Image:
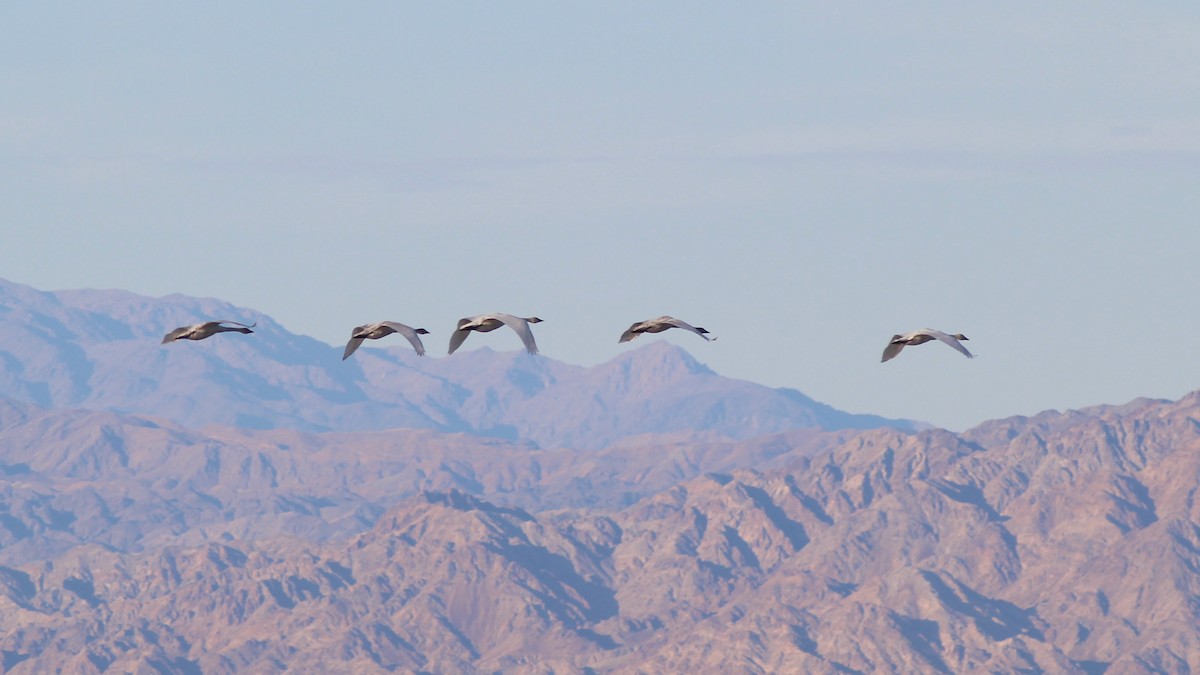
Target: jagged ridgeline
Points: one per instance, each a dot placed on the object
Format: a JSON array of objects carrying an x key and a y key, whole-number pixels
[{"x": 1060, "y": 543}]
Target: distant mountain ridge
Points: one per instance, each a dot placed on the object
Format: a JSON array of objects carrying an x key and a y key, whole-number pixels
[{"x": 99, "y": 349}]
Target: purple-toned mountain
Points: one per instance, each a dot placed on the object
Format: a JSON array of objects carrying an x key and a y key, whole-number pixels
[
  {"x": 1064, "y": 543},
  {"x": 78, "y": 478},
  {"x": 100, "y": 350}
]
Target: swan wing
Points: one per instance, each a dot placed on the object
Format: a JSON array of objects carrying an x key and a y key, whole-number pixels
[
  {"x": 684, "y": 325},
  {"x": 243, "y": 325},
  {"x": 892, "y": 349},
  {"x": 459, "y": 334},
  {"x": 176, "y": 334},
  {"x": 521, "y": 326},
  {"x": 948, "y": 339},
  {"x": 408, "y": 332},
  {"x": 351, "y": 347},
  {"x": 632, "y": 332}
]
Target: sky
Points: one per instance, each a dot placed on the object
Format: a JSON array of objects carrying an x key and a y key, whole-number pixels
[{"x": 802, "y": 179}]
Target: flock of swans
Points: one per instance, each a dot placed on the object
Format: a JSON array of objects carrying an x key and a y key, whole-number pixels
[{"x": 485, "y": 323}]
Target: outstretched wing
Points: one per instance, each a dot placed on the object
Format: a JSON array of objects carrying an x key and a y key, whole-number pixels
[
  {"x": 521, "y": 326},
  {"x": 351, "y": 347},
  {"x": 686, "y": 326},
  {"x": 950, "y": 340},
  {"x": 175, "y": 334},
  {"x": 459, "y": 334},
  {"x": 892, "y": 349},
  {"x": 631, "y": 333},
  {"x": 408, "y": 332}
]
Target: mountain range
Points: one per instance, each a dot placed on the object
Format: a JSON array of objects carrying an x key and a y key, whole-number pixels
[
  {"x": 1066, "y": 542},
  {"x": 137, "y": 535},
  {"x": 101, "y": 350}
]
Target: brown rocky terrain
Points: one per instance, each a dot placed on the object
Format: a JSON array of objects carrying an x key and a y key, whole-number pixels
[{"x": 1065, "y": 542}]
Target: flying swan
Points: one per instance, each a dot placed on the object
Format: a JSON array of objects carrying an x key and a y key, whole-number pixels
[
  {"x": 207, "y": 329},
  {"x": 659, "y": 325},
  {"x": 485, "y": 323},
  {"x": 920, "y": 337},
  {"x": 374, "y": 331}
]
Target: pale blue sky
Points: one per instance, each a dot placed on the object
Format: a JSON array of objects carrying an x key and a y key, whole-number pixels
[{"x": 803, "y": 179}]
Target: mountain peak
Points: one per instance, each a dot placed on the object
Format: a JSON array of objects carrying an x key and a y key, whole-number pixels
[
  {"x": 100, "y": 350},
  {"x": 662, "y": 358}
]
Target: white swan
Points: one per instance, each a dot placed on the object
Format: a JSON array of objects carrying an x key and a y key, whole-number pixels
[
  {"x": 659, "y": 325},
  {"x": 485, "y": 323},
  {"x": 207, "y": 329},
  {"x": 920, "y": 337},
  {"x": 374, "y": 331}
]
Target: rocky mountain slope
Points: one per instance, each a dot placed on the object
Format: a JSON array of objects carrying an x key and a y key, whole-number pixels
[
  {"x": 100, "y": 350},
  {"x": 1066, "y": 542}
]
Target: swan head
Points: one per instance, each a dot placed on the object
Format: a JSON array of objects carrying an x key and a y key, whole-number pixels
[
  {"x": 421, "y": 331},
  {"x": 960, "y": 336},
  {"x": 533, "y": 319}
]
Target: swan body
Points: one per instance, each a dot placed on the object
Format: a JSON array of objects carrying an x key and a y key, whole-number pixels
[
  {"x": 659, "y": 325},
  {"x": 207, "y": 329},
  {"x": 485, "y": 323},
  {"x": 374, "y": 331},
  {"x": 920, "y": 337}
]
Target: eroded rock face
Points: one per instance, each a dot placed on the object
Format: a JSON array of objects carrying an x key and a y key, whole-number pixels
[{"x": 1059, "y": 543}]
